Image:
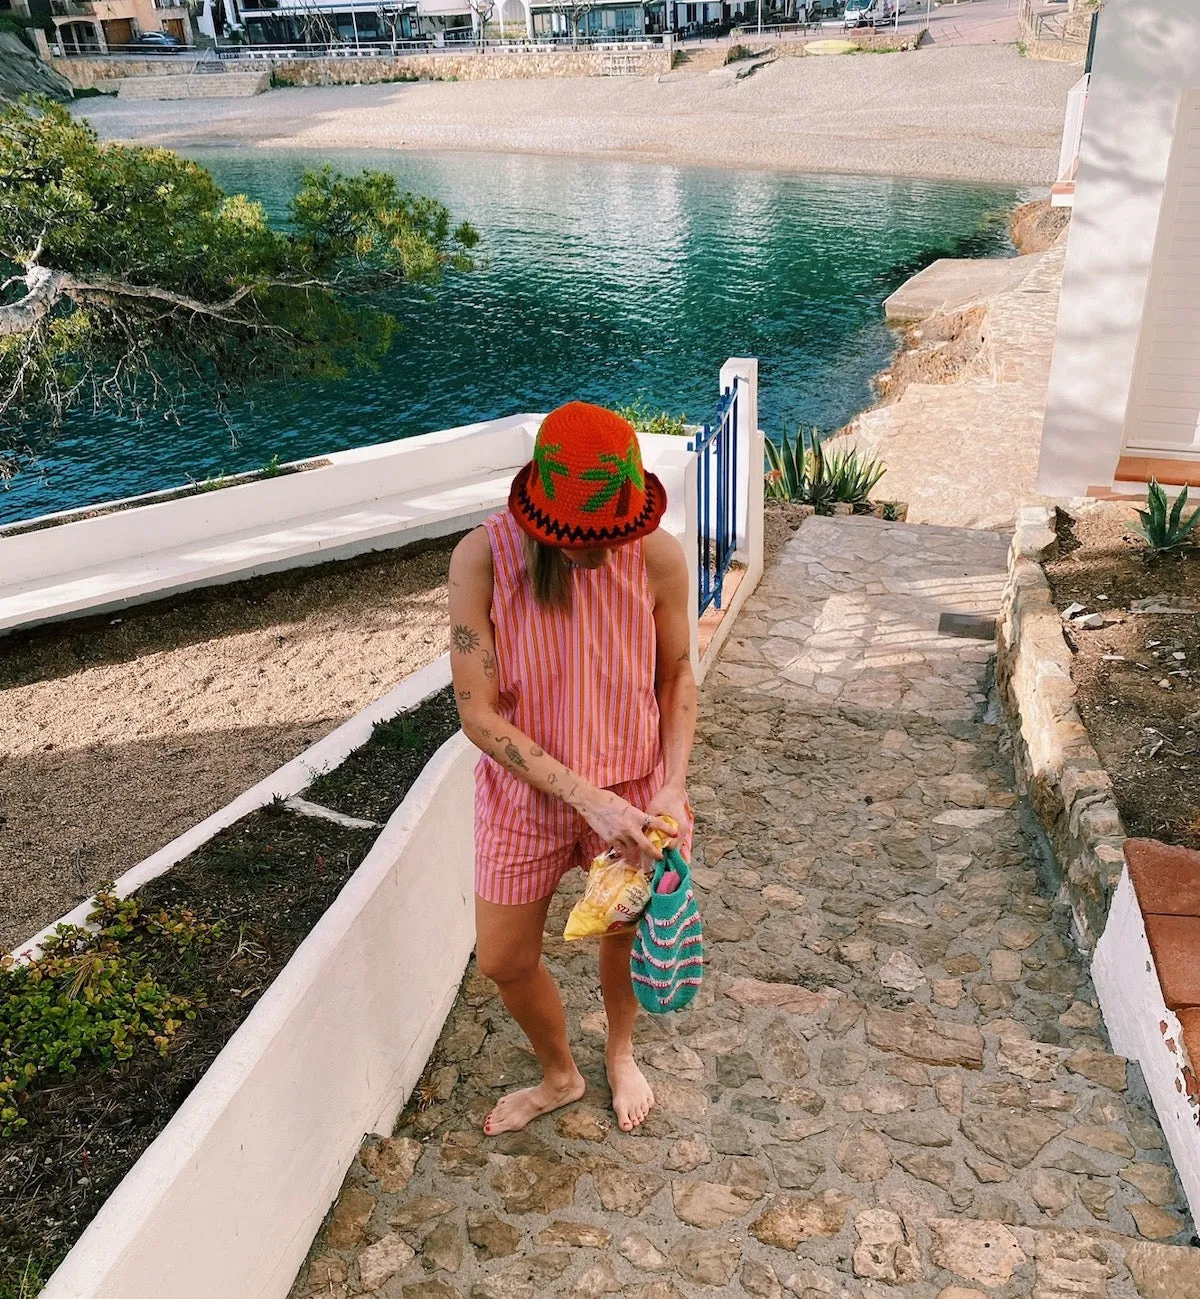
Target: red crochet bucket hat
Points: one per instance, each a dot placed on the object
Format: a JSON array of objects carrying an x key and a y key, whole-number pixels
[{"x": 585, "y": 487}]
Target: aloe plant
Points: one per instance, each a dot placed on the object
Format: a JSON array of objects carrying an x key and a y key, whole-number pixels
[
  {"x": 800, "y": 469},
  {"x": 852, "y": 475},
  {"x": 1164, "y": 529}
]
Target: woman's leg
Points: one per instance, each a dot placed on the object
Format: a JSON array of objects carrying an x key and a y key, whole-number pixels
[
  {"x": 509, "y": 951},
  {"x": 632, "y": 1097}
]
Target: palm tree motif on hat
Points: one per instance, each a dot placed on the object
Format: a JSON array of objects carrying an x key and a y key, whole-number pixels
[
  {"x": 619, "y": 474},
  {"x": 548, "y": 466}
]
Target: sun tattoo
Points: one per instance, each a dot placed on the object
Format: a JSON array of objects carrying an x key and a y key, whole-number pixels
[{"x": 463, "y": 639}]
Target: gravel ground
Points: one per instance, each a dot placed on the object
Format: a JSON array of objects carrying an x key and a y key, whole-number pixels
[
  {"x": 968, "y": 112},
  {"x": 119, "y": 736}
]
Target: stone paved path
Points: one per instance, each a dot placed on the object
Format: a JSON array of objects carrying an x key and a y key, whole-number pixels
[{"x": 895, "y": 1082}]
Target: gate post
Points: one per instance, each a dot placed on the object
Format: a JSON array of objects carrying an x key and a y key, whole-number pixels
[{"x": 749, "y": 463}]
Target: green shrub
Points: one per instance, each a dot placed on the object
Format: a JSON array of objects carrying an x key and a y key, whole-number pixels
[
  {"x": 272, "y": 469},
  {"x": 646, "y": 420},
  {"x": 1164, "y": 530},
  {"x": 94, "y": 996}
]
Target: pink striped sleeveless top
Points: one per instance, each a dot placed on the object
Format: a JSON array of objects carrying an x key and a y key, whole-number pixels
[{"x": 580, "y": 683}]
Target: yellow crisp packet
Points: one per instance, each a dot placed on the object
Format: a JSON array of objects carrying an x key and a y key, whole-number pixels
[{"x": 616, "y": 894}]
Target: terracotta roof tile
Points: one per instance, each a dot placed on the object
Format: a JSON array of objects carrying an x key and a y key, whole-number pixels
[
  {"x": 1190, "y": 1020},
  {"x": 1175, "y": 943},
  {"x": 1166, "y": 879}
]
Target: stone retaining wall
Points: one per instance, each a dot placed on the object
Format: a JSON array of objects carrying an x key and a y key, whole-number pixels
[
  {"x": 88, "y": 74},
  {"x": 227, "y": 85},
  {"x": 877, "y": 41},
  {"x": 469, "y": 67},
  {"x": 491, "y": 65},
  {"x": 1056, "y": 764}
]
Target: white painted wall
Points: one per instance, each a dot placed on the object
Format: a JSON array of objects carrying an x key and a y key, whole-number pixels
[
  {"x": 1143, "y": 1029},
  {"x": 228, "y": 1198},
  {"x": 1146, "y": 55}
]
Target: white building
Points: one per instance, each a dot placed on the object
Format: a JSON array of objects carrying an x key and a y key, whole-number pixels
[
  {"x": 288, "y": 22},
  {"x": 1124, "y": 398}
]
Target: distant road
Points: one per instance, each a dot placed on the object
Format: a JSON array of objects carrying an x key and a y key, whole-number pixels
[{"x": 954, "y": 111}]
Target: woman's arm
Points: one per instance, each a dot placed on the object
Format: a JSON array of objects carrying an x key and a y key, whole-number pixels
[
  {"x": 674, "y": 681},
  {"x": 477, "y": 690}
]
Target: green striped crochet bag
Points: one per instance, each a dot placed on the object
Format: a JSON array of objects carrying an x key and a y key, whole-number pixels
[{"x": 668, "y": 949}]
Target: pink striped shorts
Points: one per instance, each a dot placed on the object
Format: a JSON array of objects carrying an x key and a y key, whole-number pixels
[{"x": 526, "y": 841}]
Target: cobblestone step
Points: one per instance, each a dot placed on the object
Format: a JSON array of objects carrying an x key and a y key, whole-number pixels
[{"x": 895, "y": 1081}]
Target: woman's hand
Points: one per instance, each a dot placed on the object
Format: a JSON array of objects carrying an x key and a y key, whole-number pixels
[
  {"x": 672, "y": 801},
  {"x": 619, "y": 823}
]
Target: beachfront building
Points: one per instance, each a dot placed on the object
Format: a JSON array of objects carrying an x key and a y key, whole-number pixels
[
  {"x": 351, "y": 22},
  {"x": 441, "y": 22},
  {"x": 99, "y": 26},
  {"x": 1124, "y": 398}
]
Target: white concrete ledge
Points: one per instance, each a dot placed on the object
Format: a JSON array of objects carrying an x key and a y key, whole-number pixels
[
  {"x": 371, "y": 498},
  {"x": 227, "y": 1199}
]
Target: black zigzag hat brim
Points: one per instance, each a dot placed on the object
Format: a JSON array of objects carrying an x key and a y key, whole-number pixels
[{"x": 543, "y": 527}]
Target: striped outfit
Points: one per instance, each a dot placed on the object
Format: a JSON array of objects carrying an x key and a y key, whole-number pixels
[{"x": 580, "y": 684}]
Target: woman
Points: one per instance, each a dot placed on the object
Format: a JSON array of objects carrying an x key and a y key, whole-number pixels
[{"x": 571, "y": 654}]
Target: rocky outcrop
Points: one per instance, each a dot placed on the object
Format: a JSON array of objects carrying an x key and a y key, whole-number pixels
[
  {"x": 1034, "y": 227},
  {"x": 22, "y": 72}
]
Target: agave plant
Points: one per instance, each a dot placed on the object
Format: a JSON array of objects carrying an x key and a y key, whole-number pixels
[
  {"x": 1165, "y": 529},
  {"x": 787, "y": 467},
  {"x": 800, "y": 470},
  {"x": 852, "y": 476}
]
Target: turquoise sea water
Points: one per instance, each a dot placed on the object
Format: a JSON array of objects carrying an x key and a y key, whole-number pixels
[{"x": 606, "y": 281}]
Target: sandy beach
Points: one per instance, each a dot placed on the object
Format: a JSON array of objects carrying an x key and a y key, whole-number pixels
[{"x": 959, "y": 112}]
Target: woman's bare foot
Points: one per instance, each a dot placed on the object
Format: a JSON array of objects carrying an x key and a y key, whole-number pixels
[
  {"x": 518, "y": 1109},
  {"x": 632, "y": 1097}
]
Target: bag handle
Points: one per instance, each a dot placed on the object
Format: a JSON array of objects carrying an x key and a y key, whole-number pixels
[{"x": 673, "y": 859}]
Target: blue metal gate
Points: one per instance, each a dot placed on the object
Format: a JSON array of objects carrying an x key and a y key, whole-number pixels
[{"x": 717, "y": 476}]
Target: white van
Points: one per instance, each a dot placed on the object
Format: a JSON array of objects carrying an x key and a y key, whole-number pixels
[{"x": 869, "y": 13}]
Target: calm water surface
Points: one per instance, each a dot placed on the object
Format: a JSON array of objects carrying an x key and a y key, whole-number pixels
[{"x": 605, "y": 281}]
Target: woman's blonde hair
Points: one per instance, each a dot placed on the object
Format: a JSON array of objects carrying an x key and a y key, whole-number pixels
[{"x": 549, "y": 574}]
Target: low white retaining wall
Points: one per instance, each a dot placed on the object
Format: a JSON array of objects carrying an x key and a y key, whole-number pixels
[
  {"x": 228, "y": 1198},
  {"x": 370, "y": 498},
  {"x": 1143, "y": 1029}
]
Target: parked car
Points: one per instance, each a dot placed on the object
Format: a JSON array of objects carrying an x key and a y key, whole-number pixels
[
  {"x": 158, "y": 43},
  {"x": 869, "y": 13}
]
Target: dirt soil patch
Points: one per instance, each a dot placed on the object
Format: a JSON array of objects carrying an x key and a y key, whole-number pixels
[
  {"x": 1137, "y": 677},
  {"x": 119, "y": 732},
  {"x": 267, "y": 879}
]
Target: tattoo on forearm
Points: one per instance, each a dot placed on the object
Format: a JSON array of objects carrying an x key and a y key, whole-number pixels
[
  {"x": 552, "y": 779},
  {"x": 514, "y": 755},
  {"x": 463, "y": 639},
  {"x": 536, "y": 752},
  {"x": 464, "y": 694},
  {"x": 489, "y": 665}
]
